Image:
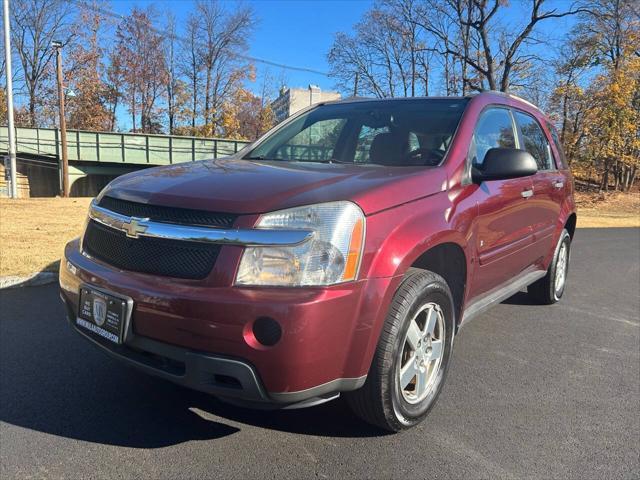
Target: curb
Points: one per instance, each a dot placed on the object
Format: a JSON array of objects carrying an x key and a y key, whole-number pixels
[{"x": 15, "y": 281}]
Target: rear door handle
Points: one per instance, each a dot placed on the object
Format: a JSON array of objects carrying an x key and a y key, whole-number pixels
[
  {"x": 527, "y": 193},
  {"x": 558, "y": 184}
]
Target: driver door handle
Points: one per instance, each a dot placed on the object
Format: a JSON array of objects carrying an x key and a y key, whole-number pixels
[
  {"x": 558, "y": 184},
  {"x": 527, "y": 193}
]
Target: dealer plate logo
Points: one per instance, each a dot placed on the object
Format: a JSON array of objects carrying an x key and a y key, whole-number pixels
[{"x": 99, "y": 311}]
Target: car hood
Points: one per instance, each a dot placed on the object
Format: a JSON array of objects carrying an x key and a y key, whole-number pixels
[{"x": 245, "y": 187}]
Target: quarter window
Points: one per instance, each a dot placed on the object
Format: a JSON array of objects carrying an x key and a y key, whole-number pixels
[
  {"x": 494, "y": 130},
  {"x": 534, "y": 140},
  {"x": 556, "y": 140}
]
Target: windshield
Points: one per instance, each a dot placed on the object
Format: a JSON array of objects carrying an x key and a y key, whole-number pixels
[{"x": 395, "y": 133}]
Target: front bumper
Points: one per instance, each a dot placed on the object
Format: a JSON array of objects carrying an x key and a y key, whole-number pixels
[{"x": 199, "y": 335}]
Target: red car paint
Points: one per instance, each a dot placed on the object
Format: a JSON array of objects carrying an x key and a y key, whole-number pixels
[{"x": 331, "y": 333}]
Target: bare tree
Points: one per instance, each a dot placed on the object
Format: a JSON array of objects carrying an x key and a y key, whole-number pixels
[
  {"x": 191, "y": 67},
  {"x": 501, "y": 50},
  {"x": 36, "y": 23},
  {"x": 606, "y": 27},
  {"x": 170, "y": 67},
  {"x": 383, "y": 57},
  {"x": 140, "y": 49},
  {"x": 114, "y": 86},
  {"x": 222, "y": 36}
]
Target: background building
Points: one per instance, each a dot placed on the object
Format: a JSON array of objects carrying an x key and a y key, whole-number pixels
[{"x": 292, "y": 100}]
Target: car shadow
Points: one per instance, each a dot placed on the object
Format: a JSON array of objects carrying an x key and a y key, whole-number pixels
[
  {"x": 520, "y": 298},
  {"x": 53, "y": 381}
]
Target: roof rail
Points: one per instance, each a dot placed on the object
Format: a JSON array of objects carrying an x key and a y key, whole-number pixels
[{"x": 508, "y": 95}]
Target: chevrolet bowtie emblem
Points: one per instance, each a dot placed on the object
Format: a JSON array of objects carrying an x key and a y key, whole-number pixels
[{"x": 133, "y": 228}]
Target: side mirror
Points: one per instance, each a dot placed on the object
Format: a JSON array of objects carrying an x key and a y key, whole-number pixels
[{"x": 504, "y": 163}]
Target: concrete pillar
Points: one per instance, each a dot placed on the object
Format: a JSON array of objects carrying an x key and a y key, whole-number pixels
[{"x": 315, "y": 94}]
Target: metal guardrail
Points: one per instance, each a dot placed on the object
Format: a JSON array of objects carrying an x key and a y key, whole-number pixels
[{"x": 129, "y": 148}]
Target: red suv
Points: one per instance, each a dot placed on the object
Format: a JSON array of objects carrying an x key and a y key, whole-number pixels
[{"x": 339, "y": 253}]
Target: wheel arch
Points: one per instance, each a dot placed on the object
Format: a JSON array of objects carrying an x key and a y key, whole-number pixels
[
  {"x": 448, "y": 260},
  {"x": 570, "y": 224}
]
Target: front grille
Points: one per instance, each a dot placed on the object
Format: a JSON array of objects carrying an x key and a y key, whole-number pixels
[
  {"x": 158, "y": 213},
  {"x": 156, "y": 256}
]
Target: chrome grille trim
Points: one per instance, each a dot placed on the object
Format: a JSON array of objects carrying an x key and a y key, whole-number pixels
[{"x": 248, "y": 237}]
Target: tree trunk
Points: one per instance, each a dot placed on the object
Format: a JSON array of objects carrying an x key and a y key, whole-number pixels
[
  {"x": 632, "y": 177},
  {"x": 627, "y": 180},
  {"x": 113, "y": 114},
  {"x": 446, "y": 74},
  {"x": 605, "y": 176},
  {"x": 207, "y": 98},
  {"x": 32, "y": 111},
  {"x": 195, "y": 108},
  {"x": 133, "y": 112}
]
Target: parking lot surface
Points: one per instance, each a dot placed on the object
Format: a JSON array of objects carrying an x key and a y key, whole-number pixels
[{"x": 533, "y": 391}]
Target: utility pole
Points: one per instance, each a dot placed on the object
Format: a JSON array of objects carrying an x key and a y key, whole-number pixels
[
  {"x": 11, "y": 130},
  {"x": 63, "y": 123}
]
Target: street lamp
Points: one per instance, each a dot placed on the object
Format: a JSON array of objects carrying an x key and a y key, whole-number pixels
[{"x": 63, "y": 123}]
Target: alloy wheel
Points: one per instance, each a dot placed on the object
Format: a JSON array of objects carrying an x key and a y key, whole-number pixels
[
  {"x": 561, "y": 267},
  {"x": 421, "y": 353}
]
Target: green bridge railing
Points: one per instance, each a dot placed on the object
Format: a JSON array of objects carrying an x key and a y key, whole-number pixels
[{"x": 128, "y": 148}]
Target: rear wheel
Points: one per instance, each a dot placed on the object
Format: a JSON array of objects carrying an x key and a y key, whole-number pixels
[
  {"x": 550, "y": 288},
  {"x": 412, "y": 356}
]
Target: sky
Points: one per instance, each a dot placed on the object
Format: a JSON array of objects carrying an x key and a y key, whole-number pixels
[
  {"x": 293, "y": 32},
  {"x": 301, "y": 32}
]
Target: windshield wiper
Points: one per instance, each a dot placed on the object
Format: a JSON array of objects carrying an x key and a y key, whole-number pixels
[
  {"x": 334, "y": 160},
  {"x": 329, "y": 160},
  {"x": 259, "y": 157}
]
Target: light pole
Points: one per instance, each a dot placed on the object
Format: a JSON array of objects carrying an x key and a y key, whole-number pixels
[
  {"x": 63, "y": 123},
  {"x": 11, "y": 131}
]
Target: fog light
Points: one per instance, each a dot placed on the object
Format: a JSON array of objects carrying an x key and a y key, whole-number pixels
[{"x": 267, "y": 331}]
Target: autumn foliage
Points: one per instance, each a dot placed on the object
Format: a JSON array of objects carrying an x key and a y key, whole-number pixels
[
  {"x": 139, "y": 72},
  {"x": 146, "y": 72},
  {"x": 597, "y": 101}
]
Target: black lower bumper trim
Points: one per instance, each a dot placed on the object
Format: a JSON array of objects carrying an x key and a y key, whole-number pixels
[{"x": 232, "y": 379}]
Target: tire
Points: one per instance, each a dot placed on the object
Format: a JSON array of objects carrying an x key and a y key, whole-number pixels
[
  {"x": 547, "y": 290},
  {"x": 425, "y": 297}
]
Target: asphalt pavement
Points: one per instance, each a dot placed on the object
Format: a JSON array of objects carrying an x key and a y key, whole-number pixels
[{"x": 533, "y": 392}]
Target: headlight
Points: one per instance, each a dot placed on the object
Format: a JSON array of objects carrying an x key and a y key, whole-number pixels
[{"x": 331, "y": 256}]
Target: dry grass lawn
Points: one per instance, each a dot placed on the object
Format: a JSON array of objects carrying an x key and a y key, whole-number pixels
[
  {"x": 608, "y": 210},
  {"x": 33, "y": 232}
]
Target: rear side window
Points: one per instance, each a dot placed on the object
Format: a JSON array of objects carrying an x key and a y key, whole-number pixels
[
  {"x": 533, "y": 140},
  {"x": 493, "y": 130}
]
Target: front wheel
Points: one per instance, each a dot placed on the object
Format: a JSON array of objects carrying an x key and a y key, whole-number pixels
[
  {"x": 549, "y": 289},
  {"x": 412, "y": 356}
]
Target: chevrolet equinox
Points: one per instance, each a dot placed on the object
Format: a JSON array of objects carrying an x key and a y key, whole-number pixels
[{"x": 340, "y": 253}]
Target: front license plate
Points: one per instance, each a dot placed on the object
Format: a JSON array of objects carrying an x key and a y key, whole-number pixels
[{"x": 102, "y": 314}]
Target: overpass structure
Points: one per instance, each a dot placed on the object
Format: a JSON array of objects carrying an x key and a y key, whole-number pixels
[{"x": 106, "y": 154}]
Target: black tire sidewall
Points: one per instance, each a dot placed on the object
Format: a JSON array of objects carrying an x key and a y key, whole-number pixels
[
  {"x": 406, "y": 413},
  {"x": 566, "y": 239}
]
